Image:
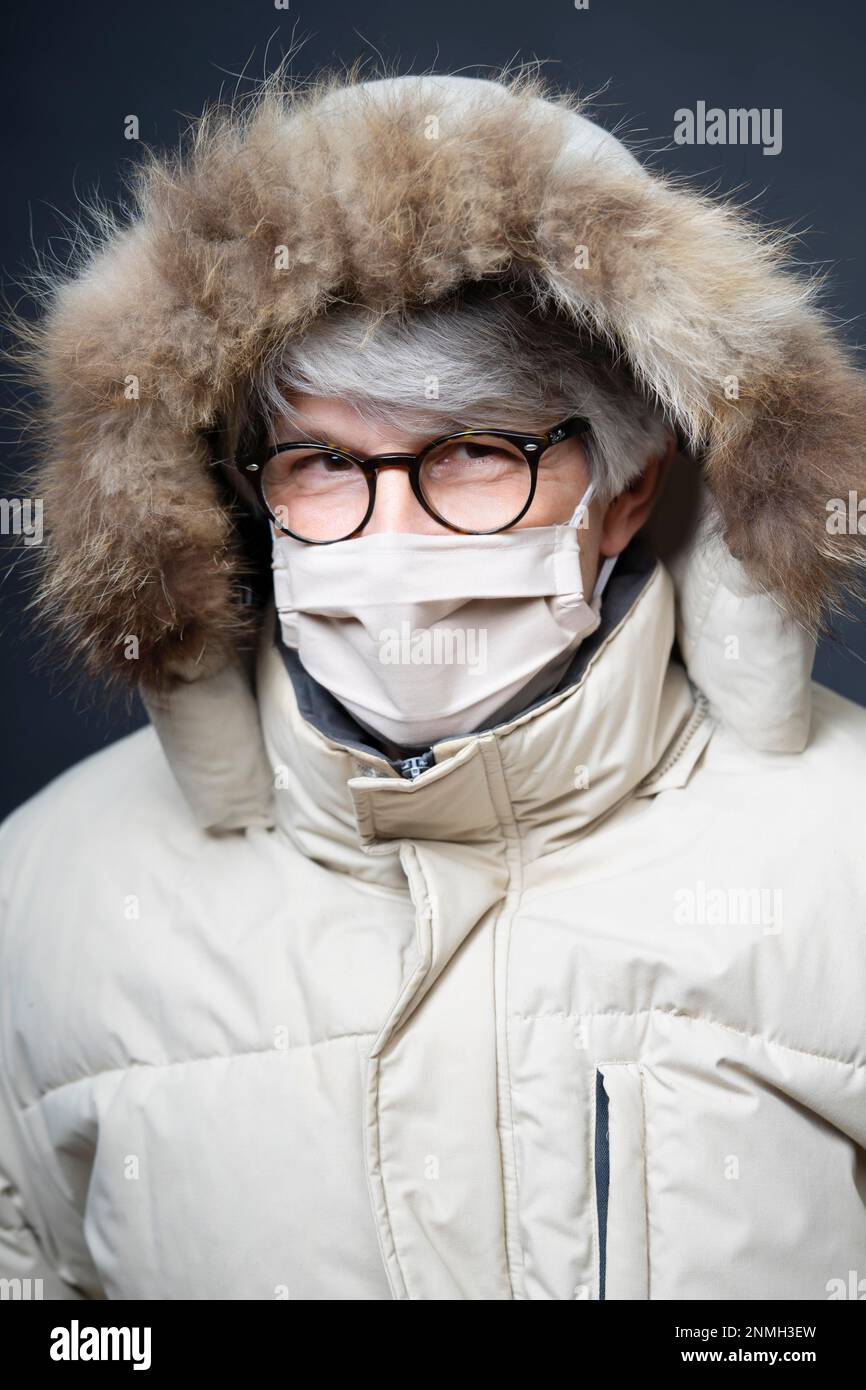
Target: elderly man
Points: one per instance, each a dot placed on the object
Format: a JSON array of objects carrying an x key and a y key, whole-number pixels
[{"x": 480, "y": 914}]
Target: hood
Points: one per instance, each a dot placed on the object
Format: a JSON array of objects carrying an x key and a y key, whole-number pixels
[{"x": 391, "y": 193}]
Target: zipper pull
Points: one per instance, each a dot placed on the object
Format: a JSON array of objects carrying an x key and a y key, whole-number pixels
[{"x": 413, "y": 767}]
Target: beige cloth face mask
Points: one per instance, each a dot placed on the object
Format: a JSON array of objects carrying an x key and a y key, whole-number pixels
[{"x": 425, "y": 636}]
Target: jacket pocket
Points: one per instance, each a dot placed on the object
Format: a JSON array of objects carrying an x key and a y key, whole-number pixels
[{"x": 620, "y": 1181}]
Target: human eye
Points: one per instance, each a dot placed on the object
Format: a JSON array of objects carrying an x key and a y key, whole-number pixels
[
  {"x": 310, "y": 466},
  {"x": 478, "y": 458}
]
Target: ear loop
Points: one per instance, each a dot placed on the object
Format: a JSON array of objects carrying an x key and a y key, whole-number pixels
[
  {"x": 577, "y": 515},
  {"x": 603, "y": 576},
  {"x": 608, "y": 564}
]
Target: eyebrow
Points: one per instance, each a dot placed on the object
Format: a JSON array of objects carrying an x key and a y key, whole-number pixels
[{"x": 290, "y": 436}]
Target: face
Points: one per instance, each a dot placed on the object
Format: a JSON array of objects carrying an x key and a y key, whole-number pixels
[{"x": 563, "y": 475}]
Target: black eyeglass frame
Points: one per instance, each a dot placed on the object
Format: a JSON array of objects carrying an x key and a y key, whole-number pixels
[{"x": 532, "y": 446}]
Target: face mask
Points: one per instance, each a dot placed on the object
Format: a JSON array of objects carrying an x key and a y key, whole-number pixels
[{"x": 425, "y": 636}]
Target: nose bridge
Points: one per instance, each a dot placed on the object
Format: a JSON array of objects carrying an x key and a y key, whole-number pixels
[
  {"x": 382, "y": 461},
  {"x": 395, "y": 506}
]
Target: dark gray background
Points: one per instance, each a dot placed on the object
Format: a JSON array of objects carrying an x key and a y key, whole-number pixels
[{"x": 72, "y": 73}]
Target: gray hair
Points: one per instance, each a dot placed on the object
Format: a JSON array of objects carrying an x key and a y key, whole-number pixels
[{"x": 487, "y": 355}]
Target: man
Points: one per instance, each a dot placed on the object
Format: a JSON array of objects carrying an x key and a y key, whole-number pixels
[{"x": 481, "y": 915}]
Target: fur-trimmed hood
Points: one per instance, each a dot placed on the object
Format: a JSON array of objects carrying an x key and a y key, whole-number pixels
[{"x": 392, "y": 193}]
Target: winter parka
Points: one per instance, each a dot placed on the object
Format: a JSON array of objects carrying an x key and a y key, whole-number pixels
[{"x": 577, "y": 1012}]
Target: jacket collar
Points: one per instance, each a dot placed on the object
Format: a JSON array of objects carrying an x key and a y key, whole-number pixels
[{"x": 625, "y": 716}]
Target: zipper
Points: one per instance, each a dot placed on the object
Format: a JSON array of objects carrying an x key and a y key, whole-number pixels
[
  {"x": 696, "y": 719},
  {"x": 413, "y": 767}
]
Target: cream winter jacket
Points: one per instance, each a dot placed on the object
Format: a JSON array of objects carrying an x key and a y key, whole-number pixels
[{"x": 576, "y": 1013}]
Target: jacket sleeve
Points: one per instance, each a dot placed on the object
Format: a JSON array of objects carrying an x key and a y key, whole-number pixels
[
  {"x": 31, "y": 1266},
  {"x": 43, "y": 1253},
  {"x": 25, "y": 1269}
]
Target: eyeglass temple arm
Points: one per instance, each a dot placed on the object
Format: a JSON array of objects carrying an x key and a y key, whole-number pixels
[{"x": 578, "y": 424}]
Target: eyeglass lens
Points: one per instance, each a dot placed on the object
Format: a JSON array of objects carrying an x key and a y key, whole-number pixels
[{"x": 476, "y": 483}]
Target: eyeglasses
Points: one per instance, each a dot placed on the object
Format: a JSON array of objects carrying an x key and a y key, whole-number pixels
[{"x": 320, "y": 494}]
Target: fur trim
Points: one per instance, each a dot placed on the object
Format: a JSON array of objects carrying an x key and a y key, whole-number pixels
[{"x": 185, "y": 299}]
